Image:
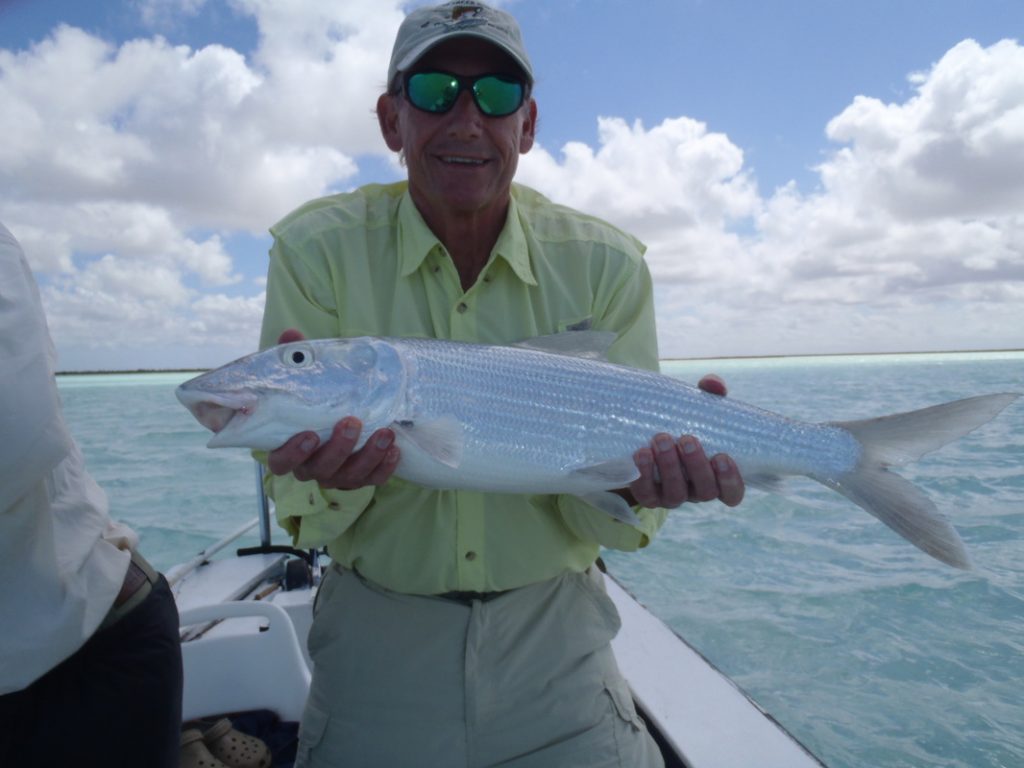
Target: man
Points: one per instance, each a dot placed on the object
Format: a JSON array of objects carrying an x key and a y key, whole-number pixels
[
  {"x": 459, "y": 628},
  {"x": 90, "y": 661}
]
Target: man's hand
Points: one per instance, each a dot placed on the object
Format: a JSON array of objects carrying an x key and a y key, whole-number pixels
[
  {"x": 336, "y": 463},
  {"x": 676, "y": 471}
]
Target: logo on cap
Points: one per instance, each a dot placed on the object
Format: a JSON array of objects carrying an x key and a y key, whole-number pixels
[{"x": 461, "y": 10}]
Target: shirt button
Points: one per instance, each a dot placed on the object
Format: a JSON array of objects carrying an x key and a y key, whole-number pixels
[
  {"x": 462, "y": 307},
  {"x": 471, "y": 556}
]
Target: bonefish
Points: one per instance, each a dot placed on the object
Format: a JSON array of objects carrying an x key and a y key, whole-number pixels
[{"x": 550, "y": 416}]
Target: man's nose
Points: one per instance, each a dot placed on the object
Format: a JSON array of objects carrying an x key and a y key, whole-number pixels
[{"x": 465, "y": 117}]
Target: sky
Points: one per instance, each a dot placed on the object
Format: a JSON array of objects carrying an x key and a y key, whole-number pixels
[{"x": 810, "y": 176}]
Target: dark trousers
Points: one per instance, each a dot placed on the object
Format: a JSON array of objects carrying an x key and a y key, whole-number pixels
[{"x": 115, "y": 703}]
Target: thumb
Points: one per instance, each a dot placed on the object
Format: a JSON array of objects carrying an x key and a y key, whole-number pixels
[{"x": 713, "y": 384}]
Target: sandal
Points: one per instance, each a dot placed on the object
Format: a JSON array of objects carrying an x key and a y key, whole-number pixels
[
  {"x": 194, "y": 753},
  {"x": 234, "y": 748}
]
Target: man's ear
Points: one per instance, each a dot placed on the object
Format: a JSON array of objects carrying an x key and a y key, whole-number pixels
[
  {"x": 387, "y": 118},
  {"x": 529, "y": 128}
]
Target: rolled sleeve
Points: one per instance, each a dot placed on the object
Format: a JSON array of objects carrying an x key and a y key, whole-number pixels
[
  {"x": 311, "y": 515},
  {"x": 591, "y": 524},
  {"x": 315, "y": 516}
]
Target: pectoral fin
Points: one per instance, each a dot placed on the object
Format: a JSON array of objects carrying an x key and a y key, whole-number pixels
[
  {"x": 442, "y": 439},
  {"x": 617, "y": 473}
]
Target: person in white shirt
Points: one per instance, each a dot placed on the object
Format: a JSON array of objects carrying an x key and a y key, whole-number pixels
[{"x": 90, "y": 658}]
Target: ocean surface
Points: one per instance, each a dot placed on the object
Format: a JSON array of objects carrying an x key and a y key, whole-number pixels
[{"x": 871, "y": 653}]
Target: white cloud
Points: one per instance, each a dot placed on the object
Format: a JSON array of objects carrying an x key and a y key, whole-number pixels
[
  {"x": 676, "y": 168},
  {"x": 131, "y": 233},
  {"x": 125, "y": 182},
  {"x": 956, "y": 149},
  {"x": 925, "y": 202},
  {"x": 227, "y": 321},
  {"x": 677, "y": 186},
  {"x": 123, "y": 179},
  {"x": 214, "y": 138},
  {"x": 919, "y": 223}
]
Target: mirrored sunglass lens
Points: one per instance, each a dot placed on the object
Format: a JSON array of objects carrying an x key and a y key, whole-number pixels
[
  {"x": 497, "y": 96},
  {"x": 433, "y": 91}
]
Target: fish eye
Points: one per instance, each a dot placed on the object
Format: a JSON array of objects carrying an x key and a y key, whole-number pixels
[{"x": 297, "y": 357}]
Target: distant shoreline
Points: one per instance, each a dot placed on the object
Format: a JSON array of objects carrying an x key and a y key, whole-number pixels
[
  {"x": 664, "y": 359},
  {"x": 131, "y": 371},
  {"x": 848, "y": 354}
]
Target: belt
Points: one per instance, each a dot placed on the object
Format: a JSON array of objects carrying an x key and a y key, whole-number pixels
[
  {"x": 468, "y": 598},
  {"x": 133, "y": 581},
  {"x": 138, "y": 583}
]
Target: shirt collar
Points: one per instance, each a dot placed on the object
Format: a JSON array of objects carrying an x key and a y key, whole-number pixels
[
  {"x": 512, "y": 247},
  {"x": 416, "y": 241}
]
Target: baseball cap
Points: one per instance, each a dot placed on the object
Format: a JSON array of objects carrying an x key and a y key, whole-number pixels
[{"x": 426, "y": 27}]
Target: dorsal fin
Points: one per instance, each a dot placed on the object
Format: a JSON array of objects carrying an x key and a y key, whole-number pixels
[{"x": 592, "y": 345}]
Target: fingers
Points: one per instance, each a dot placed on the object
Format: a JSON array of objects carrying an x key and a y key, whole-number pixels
[
  {"x": 673, "y": 472},
  {"x": 285, "y": 459},
  {"x": 713, "y": 384},
  {"x": 645, "y": 489},
  {"x": 336, "y": 463},
  {"x": 328, "y": 460},
  {"x": 289, "y": 335},
  {"x": 371, "y": 465},
  {"x": 730, "y": 484},
  {"x": 703, "y": 486}
]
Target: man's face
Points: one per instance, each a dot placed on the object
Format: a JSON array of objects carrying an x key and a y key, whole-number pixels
[{"x": 460, "y": 162}]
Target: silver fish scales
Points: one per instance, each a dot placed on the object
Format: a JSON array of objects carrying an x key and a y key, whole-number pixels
[{"x": 548, "y": 416}]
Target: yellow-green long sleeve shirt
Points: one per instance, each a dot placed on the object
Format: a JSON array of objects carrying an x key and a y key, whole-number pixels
[{"x": 366, "y": 264}]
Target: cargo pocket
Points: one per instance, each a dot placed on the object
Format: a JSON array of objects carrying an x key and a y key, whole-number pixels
[
  {"x": 311, "y": 734},
  {"x": 633, "y": 742},
  {"x": 622, "y": 700}
]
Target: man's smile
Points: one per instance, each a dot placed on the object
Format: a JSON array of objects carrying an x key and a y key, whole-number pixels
[{"x": 461, "y": 160}]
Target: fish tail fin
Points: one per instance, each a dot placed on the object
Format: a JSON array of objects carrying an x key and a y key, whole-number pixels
[
  {"x": 903, "y": 507},
  {"x": 901, "y": 438},
  {"x": 904, "y": 437}
]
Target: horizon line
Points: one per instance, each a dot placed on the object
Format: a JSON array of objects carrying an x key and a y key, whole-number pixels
[{"x": 100, "y": 371}]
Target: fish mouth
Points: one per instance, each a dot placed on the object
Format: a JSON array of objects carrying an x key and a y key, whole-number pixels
[{"x": 218, "y": 412}]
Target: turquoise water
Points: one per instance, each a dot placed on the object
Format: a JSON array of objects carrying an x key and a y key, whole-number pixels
[{"x": 867, "y": 650}]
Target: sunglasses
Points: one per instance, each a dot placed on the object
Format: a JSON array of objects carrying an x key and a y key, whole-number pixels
[{"x": 436, "y": 92}]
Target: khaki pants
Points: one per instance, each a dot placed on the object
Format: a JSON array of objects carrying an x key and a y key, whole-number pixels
[{"x": 527, "y": 679}]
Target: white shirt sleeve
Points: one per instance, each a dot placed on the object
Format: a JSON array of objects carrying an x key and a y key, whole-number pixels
[
  {"x": 62, "y": 559},
  {"x": 35, "y": 437}
]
